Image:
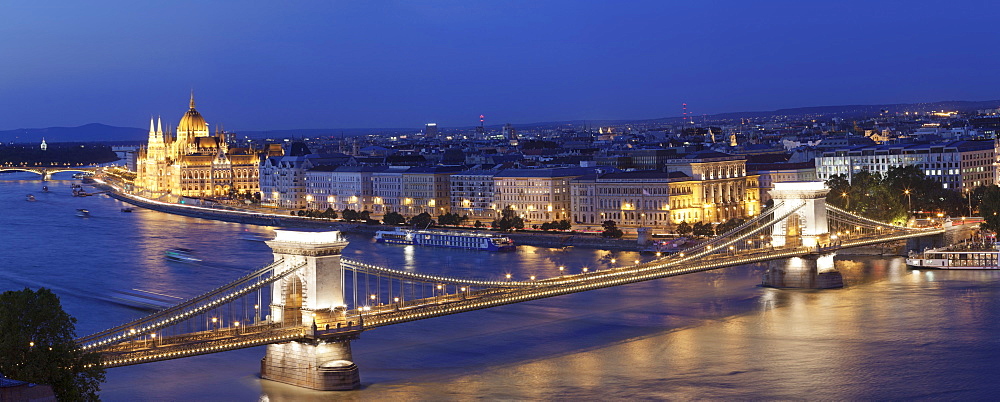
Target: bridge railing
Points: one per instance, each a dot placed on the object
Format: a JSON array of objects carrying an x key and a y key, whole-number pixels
[{"x": 190, "y": 308}]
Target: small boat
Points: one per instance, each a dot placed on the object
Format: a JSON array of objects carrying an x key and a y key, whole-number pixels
[
  {"x": 45, "y": 189},
  {"x": 144, "y": 300},
  {"x": 181, "y": 254},
  {"x": 127, "y": 209},
  {"x": 31, "y": 197},
  {"x": 83, "y": 213}
]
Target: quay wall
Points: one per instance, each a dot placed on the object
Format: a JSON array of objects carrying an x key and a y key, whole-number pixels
[{"x": 553, "y": 240}]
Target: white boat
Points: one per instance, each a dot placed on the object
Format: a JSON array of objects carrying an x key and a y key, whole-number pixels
[
  {"x": 30, "y": 197},
  {"x": 445, "y": 238},
  {"x": 943, "y": 258},
  {"x": 143, "y": 299},
  {"x": 83, "y": 213},
  {"x": 181, "y": 255}
]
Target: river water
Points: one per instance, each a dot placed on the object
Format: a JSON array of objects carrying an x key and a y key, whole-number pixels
[{"x": 892, "y": 333}]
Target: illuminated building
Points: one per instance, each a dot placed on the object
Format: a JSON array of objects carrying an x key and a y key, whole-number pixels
[
  {"x": 957, "y": 165},
  {"x": 711, "y": 187},
  {"x": 472, "y": 194},
  {"x": 631, "y": 199},
  {"x": 341, "y": 187},
  {"x": 194, "y": 163},
  {"x": 538, "y": 195}
]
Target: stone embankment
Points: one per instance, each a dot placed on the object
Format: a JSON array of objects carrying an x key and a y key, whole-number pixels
[{"x": 267, "y": 219}]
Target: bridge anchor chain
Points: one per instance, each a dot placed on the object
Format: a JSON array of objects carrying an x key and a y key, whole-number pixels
[{"x": 322, "y": 360}]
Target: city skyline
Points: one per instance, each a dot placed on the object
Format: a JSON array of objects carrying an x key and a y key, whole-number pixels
[{"x": 345, "y": 65}]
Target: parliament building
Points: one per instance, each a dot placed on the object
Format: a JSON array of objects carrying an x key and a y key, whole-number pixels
[{"x": 192, "y": 162}]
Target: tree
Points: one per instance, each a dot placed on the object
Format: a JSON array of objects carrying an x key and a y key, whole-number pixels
[
  {"x": 702, "y": 229},
  {"x": 364, "y": 216},
  {"x": 684, "y": 229},
  {"x": 729, "y": 225},
  {"x": 478, "y": 224},
  {"x": 330, "y": 213},
  {"x": 422, "y": 220},
  {"x": 393, "y": 218},
  {"x": 611, "y": 230},
  {"x": 36, "y": 345},
  {"x": 508, "y": 220},
  {"x": 564, "y": 225},
  {"x": 989, "y": 208},
  {"x": 350, "y": 215}
]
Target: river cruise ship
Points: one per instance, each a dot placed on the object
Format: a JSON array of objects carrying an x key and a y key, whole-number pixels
[
  {"x": 943, "y": 258},
  {"x": 444, "y": 238}
]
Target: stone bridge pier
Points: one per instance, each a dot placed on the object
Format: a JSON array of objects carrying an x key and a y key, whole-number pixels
[
  {"x": 321, "y": 364},
  {"x": 806, "y": 226}
]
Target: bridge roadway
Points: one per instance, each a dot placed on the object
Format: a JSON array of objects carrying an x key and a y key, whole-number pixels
[{"x": 348, "y": 325}]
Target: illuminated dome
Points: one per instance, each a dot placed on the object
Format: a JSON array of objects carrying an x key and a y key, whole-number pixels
[{"x": 192, "y": 120}]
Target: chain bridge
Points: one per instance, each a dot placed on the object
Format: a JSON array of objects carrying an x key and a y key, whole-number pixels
[
  {"x": 47, "y": 171},
  {"x": 310, "y": 302}
]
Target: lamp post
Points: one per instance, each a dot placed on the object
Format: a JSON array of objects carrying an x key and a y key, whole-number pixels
[{"x": 909, "y": 208}]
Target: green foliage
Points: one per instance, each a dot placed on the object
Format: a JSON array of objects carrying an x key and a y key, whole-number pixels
[
  {"x": 508, "y": 221},
  {"x": 557, "y": 225},
  {"x": 684, "y": 229},
  {"x": 702, "y": 229},
  {"x": 36, "y": 345},
  {"x": 478, "y": 224},
  {"x": 729, "y": 225},
  {"x": 989, "y": 206},
  {"x": 422, "y": 220},
  {"x": 452, "y": 219},
  {"x": 350, "y": 215},
  {"x": 329, "y": 213},
  {"x": 611, "y": 230},
  {"x": 393, "y": 218},
  {"x": 364, "y": 216}
]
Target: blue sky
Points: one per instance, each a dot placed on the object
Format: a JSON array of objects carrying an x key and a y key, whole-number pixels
[{"x": 257, "y": 65}]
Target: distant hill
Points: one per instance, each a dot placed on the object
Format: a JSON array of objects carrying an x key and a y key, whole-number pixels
[
  {"x": 85, "y": 133},
  {"x": 105, "y": 133}
]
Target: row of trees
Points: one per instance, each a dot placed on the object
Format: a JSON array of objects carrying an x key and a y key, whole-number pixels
[{"x": 894, "y": 196}]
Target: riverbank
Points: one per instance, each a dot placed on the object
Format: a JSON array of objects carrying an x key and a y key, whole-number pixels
[{"x": 551, "y": 240}]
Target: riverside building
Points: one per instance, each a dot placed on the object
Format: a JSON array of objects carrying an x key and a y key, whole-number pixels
[{"x": 191, "y": 162}]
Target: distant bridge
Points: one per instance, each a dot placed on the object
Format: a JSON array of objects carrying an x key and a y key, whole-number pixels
[
  {"x": 310, "y": 302},
  {"x": 47, "y": 171}
]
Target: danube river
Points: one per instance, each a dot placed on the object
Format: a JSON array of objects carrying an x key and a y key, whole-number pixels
[{"x": 891, "y": 333}]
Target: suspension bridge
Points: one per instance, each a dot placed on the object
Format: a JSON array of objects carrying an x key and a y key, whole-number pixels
[{"x": 310, "y": 303}]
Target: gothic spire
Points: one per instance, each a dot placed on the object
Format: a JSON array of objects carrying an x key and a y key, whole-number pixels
[{"x": 192, "y": 98}]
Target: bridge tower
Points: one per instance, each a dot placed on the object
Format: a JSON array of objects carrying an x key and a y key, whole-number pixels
[
  {"x": 806, "y": 226},
  {"x": 317, "y": 287}
]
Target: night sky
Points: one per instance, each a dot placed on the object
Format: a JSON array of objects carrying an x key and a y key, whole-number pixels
[{"x": 352, "y": 64}]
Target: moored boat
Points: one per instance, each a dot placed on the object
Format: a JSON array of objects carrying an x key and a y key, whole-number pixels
[
  {"x": 945, "y": 258},
  {"x": 444, "y": 238}
]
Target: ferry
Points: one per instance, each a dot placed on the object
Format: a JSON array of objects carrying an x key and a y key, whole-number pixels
[
  {"x": 144, "y": 300},
  {"x": 444, "y": 238},
  {"x": 943, "y": 258},
  {"x": 180, "y": 254}
]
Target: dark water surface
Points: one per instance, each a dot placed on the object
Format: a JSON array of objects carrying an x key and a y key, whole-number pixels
[{"x": 891, "y": 334}]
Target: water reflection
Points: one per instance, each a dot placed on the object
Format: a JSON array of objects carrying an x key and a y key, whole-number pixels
[{"x": 889, "y": 334}]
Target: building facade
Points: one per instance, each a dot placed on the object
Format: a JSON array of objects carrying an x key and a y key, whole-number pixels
[
  {"x": 957, "y": 165},
  {"x": 712, "y": 187},
  {"x": 191, "y": 162},
  {"x": 631, "y": 199},
  {"x": 472, "y": 194},
  {"x": 538, "y": 195}
]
